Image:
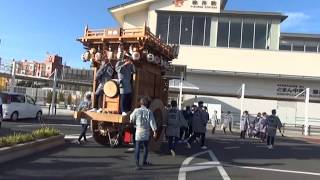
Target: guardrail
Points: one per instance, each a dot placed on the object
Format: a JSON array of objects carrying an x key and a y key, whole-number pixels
[{"x": 300, "y": 127}]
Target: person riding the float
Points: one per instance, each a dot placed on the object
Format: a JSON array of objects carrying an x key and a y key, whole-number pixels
[
  {"x": 103, "y": 75},
  {"x": 125, "y": 70}
]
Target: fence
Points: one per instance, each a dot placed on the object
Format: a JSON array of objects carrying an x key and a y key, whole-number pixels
[{"x": 41, "y": 94}]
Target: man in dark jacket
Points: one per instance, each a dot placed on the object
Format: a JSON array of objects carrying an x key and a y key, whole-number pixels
[
  {"x": 103, "y": 75},
  {"x": 199, "y": 125},
  {"x": 273, "y": 123},
  {"x": 188, "y": 117}
]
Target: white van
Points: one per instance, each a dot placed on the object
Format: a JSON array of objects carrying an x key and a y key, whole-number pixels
[{"x": 19, "y": 106}]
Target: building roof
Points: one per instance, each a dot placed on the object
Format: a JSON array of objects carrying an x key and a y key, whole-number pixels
[
  {"x": 119, "y": 11},
  {"x": 124, "y": 4},
  {"x": 254, "y": 14},
  {"x": 300, "y": 36},
  {"x": 223, "y": 4}
]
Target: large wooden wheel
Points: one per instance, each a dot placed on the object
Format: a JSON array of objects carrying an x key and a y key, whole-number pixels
[{"x": 158, "y": 110}]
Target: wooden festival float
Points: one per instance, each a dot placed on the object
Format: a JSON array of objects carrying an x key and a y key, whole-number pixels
[{"x": 152, "y": 59}]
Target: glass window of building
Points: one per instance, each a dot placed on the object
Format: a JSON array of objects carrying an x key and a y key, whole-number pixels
[
  {"x": 162, "y": 26},
  {"x": 247, "y": 34},
  {"x": 186, "y": 30},
  {"x": 223, "y": 33},
  {"x": 208, "y": 33},
  {"x": 235, "y": 33},
  {"x": 260, "y": 35},
  {"x": 285, "y": 46},
  {"x": 174, "y": 29},
  {"x": 198, "y": 30},
  {"x": 298, "y": 46},
  {"x": 311, "y": 46}
]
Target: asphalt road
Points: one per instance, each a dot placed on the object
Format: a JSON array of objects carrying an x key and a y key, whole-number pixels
[{"x": 226, "y": 158}]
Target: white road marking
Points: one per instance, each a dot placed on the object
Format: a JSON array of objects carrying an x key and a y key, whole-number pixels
[
  {"x": 279, "y": 170},
  {"x": 214, "y": 163},
  {"x": 68, "y": 125},
  {"x": 222, "y": 171},
  {"x": 75, "y": 136}
]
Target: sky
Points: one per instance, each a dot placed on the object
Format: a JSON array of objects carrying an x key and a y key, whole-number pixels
[{"x": 29, "y": 29}]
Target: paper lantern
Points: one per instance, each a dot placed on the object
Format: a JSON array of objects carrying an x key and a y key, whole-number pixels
[
  {"x": 98, "y": 56},
  {"x": 120, "y": 55},
  {"x": 135, "y": 56},
  {"x": 87, "y": 56},
  {"x": 83, "y": 58},
  {"x": 150, "y": 58},
  {"x": 109, "y": 55},
  {"x": 162, "y": 63},
  {"x": 157, "y": 60},
  {"x": 93, "y": 50}
]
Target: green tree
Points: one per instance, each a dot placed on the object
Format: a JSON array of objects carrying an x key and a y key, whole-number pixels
[
  {"x": 61, "y": 97},
  {"x": 69, "y": 99},
  {"x": 49, "y": 97}
]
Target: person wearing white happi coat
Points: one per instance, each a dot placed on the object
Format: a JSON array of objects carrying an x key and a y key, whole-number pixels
[
  {"x": 227, "y": 122},
  {"x": 257, "y": 125},
  {"x": 263, "y": 126},
  {"x": 214, "y": 121},
  {"x": 144, "y": 121},
  {"x": 244, "y": 121}
]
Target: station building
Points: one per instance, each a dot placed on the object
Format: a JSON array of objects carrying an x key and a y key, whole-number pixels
[{"x": 223, "y": 49}]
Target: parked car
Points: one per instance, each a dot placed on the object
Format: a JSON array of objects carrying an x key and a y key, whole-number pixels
[{"x": 19, "y": 106}]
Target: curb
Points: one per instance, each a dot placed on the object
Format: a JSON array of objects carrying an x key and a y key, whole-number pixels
[{"x": 29, "y": 148}]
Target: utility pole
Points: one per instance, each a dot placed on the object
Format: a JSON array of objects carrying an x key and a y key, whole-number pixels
[
  {"x": 306, "y": 113},
  {"x": 54, "y": 92},
  {"x": 13, "y": 76},
  {"x": 306, "y": 110}
]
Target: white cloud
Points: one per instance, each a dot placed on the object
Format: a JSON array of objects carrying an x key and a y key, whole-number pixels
[{"x": 295, "y": 21}]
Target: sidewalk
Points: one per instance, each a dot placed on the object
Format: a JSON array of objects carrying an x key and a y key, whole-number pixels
[
  {"x": 62, "y": 114},
  {"x": 313, "y": 138}
]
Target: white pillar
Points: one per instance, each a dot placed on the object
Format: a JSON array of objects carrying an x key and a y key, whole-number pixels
[
  {"x": 13, "y": 76},
  {"x": 54, "y": 91},
  {"x": 180, "y": 94},
  {"x": 243, "y": 87},
  {"x": 306, "y": 112}
]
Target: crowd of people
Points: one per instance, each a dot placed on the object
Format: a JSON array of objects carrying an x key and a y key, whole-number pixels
[
  {"x": 186, "y": 126},
  {"x": 189, "y": 126},
  {"x": 263, "y": 126}
]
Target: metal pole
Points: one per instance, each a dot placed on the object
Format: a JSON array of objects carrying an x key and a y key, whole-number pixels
[
  {"x": 13, "y": 76},
  {"x": 243, "y": 87},
  {"x": 306, "y": 112},
  {"x": 54, "y": 91},
  {"x": 180, "y": 95}
]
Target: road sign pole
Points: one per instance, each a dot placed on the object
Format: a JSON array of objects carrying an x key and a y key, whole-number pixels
[
  {"x": 306, "y": 112},
  {"x": 180, "y": 94},
  {"x": 243, "y": 87}
]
